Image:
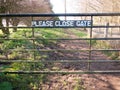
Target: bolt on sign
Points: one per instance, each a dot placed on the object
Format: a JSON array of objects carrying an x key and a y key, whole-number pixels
[{"x": 61, "y": 23}]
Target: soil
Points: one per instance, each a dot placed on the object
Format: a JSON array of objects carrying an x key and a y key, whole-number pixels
[{"x": 80, "y": 81}]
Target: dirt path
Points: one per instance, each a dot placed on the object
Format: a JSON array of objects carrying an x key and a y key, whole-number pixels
[{"x": 82, "y": 81}]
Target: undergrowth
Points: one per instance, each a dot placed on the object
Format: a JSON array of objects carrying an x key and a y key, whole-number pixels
[
  {"x": 19, "y": 47},
  {"x": 101, "y": 44}
]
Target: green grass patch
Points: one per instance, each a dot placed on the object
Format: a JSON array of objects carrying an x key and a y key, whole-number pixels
[
  {"x": 78, "y": 33},
  {"x": 79, "y": 85},
  {"x": 6, "y": 86},
  {"x": 15, "y": 49},
  {"x": 102, "y": 44}
]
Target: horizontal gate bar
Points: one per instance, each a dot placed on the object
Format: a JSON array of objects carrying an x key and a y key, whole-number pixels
[
  {"x": 58, "y": 61},
  {"x": 59, "y": 14},
  {"x": 65, "y": 27},
  {"x": 105, "y": 50},
  {"x": 64, "y": 50},
  {"x": 60, "y": 39},
  {"x": 62, "y": 72}
]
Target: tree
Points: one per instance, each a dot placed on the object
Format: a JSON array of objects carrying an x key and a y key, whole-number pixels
[
  {"x": 40, "y": 6},
  {"x": 7, "y": 6},
  {"x": 22, "y": 6}
]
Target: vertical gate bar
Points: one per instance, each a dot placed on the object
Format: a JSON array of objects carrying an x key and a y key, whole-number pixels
[
  {"x": 33, "y": 35},
  {"x": 90, "y": 47},
  {"x": 7, "y": 28},
  {"x": 90, "y": 44}
]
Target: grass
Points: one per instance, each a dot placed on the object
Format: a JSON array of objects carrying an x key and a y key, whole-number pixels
[
  {"x": 5, "y": 86},
  {"x": 102, "y": 44},
  {"x": 79, "y": 85},
  {"x": 78, "y": 33},
  {"x": 25, "y": 82}
]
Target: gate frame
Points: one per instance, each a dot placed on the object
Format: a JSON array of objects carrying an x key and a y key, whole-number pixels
[{"x": 91, "y": 15}]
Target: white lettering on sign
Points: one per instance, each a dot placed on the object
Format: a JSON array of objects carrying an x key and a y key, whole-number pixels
[
  {"x": 83, "y": 23},
  {"x": 42, "y": 23},
  {"x": 62, "y": 23}
]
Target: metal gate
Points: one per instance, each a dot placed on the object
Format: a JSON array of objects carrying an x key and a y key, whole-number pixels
[{"x": 89, "y": 16}]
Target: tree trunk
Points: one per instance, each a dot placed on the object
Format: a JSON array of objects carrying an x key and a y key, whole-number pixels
[
  {"x": 14, "y": 21},
  {"x": 4, "y": 30},
  {"x": 7, "y": 25}
]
